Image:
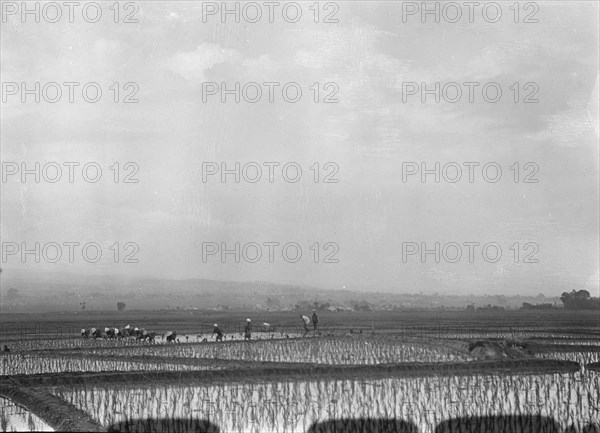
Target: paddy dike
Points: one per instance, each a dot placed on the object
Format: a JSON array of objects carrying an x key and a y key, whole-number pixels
[
  {"x": 57, "y": 413},
  {"x": 247, "y": 371}
]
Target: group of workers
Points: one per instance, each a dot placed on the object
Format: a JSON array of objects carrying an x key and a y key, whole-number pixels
[
  {"x": 248, "y": 327},
  {"x": 170, "y": 336}
]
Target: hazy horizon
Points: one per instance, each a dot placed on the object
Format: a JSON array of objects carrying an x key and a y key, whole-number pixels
[{"x": 31, "y": 283}]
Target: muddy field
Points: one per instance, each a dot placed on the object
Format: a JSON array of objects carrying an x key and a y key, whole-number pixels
[{"x": 418, "y": 372}]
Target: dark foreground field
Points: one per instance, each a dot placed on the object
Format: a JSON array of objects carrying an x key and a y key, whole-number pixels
[
  {"x": 579, "y": 323},
  {"x": 363, "y": 370}
]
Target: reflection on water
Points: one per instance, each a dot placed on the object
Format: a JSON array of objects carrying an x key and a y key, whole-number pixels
[
  {"x": 364, "y": 425},
  {"x": 296, "y": 406},
  {"x": 15, "y": 418},
  {"x": 167, "y": 425}
]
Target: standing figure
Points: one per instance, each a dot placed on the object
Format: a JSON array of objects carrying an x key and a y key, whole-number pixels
[
  {"x": 248, "y": 330},
  {"x": 315, "y": 320},
  {"x": 306, "y": 322},
  {"x": 217, "y": 330}
]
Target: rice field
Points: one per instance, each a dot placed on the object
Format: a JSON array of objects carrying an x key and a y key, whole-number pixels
[
  {"x": 74, "y": 342},
  {"x": 37, "y": 343},
  {"x": 35, "y": 364},
  {"x": 571, "y": 399},
  {"x": 321, "y": 383},
  {"x": 331, "y": 351}
]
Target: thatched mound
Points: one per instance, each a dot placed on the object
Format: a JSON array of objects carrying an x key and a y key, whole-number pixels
[{"x": 487, "y": 349}]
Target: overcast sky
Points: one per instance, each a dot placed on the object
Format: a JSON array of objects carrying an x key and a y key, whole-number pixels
[{"x": 370, "y": 212}]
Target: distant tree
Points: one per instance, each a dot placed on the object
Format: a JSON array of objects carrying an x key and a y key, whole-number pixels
[
  {"x": 500, "y": 299},
  {"x": 582, "y": 294},
  {"x": 361, "y": 305},
  {"x": 120, "y": 306},
  {"x": 579, "y": 300},
  {"x": 12, "y": 295}
]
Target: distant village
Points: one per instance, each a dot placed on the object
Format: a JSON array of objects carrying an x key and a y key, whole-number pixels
[{"x": 286, "y": 300}]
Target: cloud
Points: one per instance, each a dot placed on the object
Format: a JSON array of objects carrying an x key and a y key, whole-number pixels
[
  {"x": 192, "y": 65},
  {"x": 259, "y": 66}
]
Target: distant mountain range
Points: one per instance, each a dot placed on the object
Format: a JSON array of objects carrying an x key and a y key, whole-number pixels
[{"x": 21, "y": 291}]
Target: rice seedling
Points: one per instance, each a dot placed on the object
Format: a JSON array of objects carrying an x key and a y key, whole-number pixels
[
  {"x": 296, "y": 405},
  {"x": 332, "y": 351},
  {"x": 35, "y": 364}
]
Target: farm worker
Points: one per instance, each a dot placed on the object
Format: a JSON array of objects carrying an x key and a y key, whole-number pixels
[
  {"x": 6, "y": 348},
  {"x": 306, "y": 321},
  {"x": 315, "y": 320},
  {"x": 217, "y": 330},
  {"x": 248, "y": 330}
]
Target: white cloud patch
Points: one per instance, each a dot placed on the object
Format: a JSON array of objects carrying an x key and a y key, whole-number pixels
[
  {"x": 192, "y": 65},
  {"x": 259, "y": 66}
]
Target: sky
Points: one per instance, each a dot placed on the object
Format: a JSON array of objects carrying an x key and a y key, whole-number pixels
[{"x": 369, "y": 217}]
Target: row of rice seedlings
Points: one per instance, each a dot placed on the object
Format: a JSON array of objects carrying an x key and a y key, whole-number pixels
[
  {"x": 70, "y": 343},
  {"x": 34, "y": 342},
  {"x": 30, "y": 364},
  {"x": 570, "y": 342},
  {"x": 24, "y": 345},
  {"x": 583, "y": 358},
  {"x": 570, "y": 338},
  {"x": 533, "y": 333},
  {"x": 16, "y": 418},
  {"x": 570, "y": 399},
  {"x": 322, "y": 351}
]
